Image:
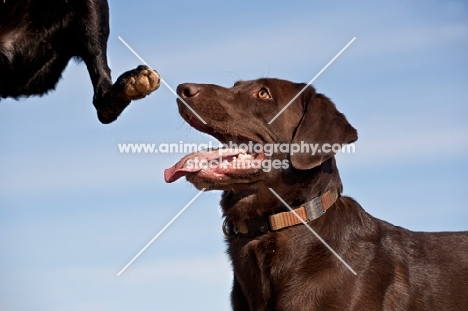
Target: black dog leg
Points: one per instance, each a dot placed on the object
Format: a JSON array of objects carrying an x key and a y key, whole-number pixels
[{"x": 111, "y": 99}]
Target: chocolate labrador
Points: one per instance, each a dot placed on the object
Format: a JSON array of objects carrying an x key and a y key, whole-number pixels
[
  {"x": 278, "y": 263},
  {"x": 39, "y": 37}
]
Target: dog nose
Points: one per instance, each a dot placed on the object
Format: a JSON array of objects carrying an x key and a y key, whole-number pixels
[{"x": 188, "y": 90}]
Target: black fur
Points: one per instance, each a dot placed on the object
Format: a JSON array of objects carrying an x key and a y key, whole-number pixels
[{"x": 39, "y": 37}]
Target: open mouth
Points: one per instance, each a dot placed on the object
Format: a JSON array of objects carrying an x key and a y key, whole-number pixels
[{"x": 215, "y": 164}]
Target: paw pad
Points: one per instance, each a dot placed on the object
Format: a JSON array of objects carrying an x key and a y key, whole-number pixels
[{"x": 142, "y": 82}]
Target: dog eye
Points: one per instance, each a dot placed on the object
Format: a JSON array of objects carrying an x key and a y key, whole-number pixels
[{"x": 263, "y": 94}]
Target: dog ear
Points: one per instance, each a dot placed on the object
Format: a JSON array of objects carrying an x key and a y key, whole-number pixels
[{"x": 323, "y": 126}]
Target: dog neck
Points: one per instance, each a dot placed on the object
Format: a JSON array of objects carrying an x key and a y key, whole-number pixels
[
  {"x": 294, "y": 187},
  {"x": 310, "y": 211}
]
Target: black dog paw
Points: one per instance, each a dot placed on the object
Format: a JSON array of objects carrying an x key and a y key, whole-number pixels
[
  {"x": 138, "y": 83},
  {"x": 131, "y": 85}
]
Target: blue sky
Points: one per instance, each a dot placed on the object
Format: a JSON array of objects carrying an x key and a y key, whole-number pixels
[{"x": 74, "y": 211}]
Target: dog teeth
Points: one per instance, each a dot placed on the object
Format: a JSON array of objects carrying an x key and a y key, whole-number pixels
[{"x": 244, "y": 156}]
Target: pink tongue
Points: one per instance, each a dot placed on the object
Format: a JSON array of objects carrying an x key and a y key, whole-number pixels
[
  {"x": 184, "y": 166},
  {"x": 181, "y": 168}
]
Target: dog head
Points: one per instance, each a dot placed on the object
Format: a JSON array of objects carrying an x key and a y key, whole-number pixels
[{"x": 300, "y": 138}]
